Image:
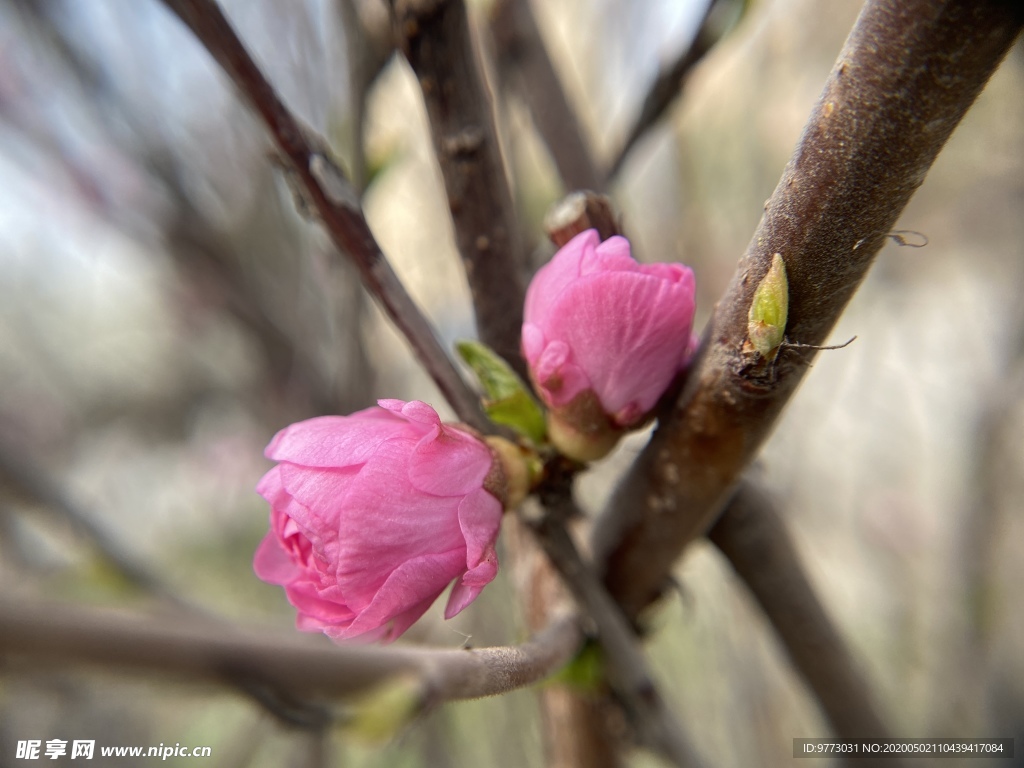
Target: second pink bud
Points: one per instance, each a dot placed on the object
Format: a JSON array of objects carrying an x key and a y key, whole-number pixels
[{"x": 604, "y": 336}]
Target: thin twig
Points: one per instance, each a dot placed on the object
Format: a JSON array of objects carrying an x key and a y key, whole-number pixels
[
  {"x": 907, "y": 74},
  {"x": 656, "y": 726},
  {"x": 289, "y": 665},
  {"x": 436, "y": 40},
  {"x": 754, "y": 538},
  {"x": 524, "y": 63},
  {"x": 334, "y": 201},
  {"x": 670, "y": 81}
]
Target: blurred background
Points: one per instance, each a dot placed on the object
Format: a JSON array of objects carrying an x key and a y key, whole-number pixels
[{"x": 164, "y": 310}]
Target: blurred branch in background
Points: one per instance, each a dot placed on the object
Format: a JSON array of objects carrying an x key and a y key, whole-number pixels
[
  {"x": 719, "y": 18},
  {"x": 369, "y": 45},
  {"x": 908, "y": 73},
  {"x": 335, "y": 201},
  {"x": 26, "y": 481},
  {"x": 523, "y": 63},
  {"x": 436, "y": 41},
  {"x": 213, "y": 271},
  {"x": 978, "y": 538},
  {"x": 752, "y": 535}
]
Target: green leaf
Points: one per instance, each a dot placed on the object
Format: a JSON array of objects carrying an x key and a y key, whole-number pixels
[{"x": 507, "y": 400}]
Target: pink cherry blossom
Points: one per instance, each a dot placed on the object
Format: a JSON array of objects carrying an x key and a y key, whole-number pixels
[
  {"x": 373, "y": 515},
  {"x": 597, "y": 320}
]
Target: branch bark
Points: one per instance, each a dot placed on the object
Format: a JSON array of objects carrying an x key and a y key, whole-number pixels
[
  {"x": 655, "y": 725},
  {"x": 292, "y": 667},
  {"x": 333, "y": 200},
  {"x": 436, "y": 39},
  {"x": 907, "y": 74}
]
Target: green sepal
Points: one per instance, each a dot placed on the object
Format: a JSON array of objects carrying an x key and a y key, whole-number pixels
[{"x": 507, "y": 400}]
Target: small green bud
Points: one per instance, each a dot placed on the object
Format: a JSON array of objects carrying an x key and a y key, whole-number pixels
[
  {"x": 507, "y": 400},
  {"x": 769, "y": 310}
]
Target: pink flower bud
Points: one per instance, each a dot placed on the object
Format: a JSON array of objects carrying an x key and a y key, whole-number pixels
[
  {"x": 604, "y": 333},
  {"x": 374, "y": 514}
]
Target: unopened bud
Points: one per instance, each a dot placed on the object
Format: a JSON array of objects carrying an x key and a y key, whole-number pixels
[{"x": 769, "y": 310}]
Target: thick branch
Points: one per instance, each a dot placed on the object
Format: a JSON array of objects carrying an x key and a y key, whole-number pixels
[
  {"x": 907, "y": 74},
  {"x": 436, "y": 39},
  {"x": 753, "y": 537},
  {"x": 524, "y": 62},
  {"x": 332, "y": 198},
  {"x": 289, "y": 666}
]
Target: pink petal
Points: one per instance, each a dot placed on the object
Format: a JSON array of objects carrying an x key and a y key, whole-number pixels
[
  {"x": 404, "y": 620},
  {"x": 557, "y": 374},
  {"x": 418, "y": 581},
  {"x": 628, "y": 331},
  {"x": 414, "y": 410},
  {"x": 388, "y": 522},
  {"x": 272, "y": 563},
  {"x": 613, "y": 255},
  {"x": 451, "y": 464},
  {"x": 472, "y": 583},
  {"x": 313, "y": 612},
  {"x": 557, "y": 274},
  {"x": 316, "y": 503},
  {"x": 533, "y": 342},
  {"x": 335, "y": 441},
  {"x": 271, "y": 488},
  {"x": 673, "y": 273},
  {"x": 480, "y": 520}
]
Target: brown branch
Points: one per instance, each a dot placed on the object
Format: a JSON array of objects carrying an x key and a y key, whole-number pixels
[
  {"x": 655, "y": 725},
  {"x": 332, "y": 198},
  {"x": 907, "y": 74},
  {"x": 288, "y": 666},
  {"x": 524, "y": 63},
  {"x": 435, "y": 37},
  {"x": 671, "y": 80},
  {"x": 754, "y": 538}
]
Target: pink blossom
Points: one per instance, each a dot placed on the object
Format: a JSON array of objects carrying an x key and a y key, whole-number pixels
[
  {"x": 598, "y": 321},
  {"x": 373, "y": 515}
]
